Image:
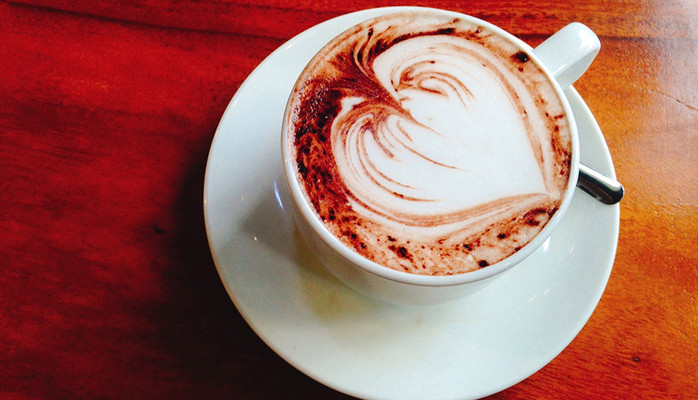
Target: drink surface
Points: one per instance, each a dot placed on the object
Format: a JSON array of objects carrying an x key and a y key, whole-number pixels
[{"x": 429, "y": 144}]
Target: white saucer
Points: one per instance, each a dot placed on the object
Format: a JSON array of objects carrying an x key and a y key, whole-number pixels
[{"x": 465, "y": 349}]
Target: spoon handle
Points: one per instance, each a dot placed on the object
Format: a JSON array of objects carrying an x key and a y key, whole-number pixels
[{"x": 601, "y": 187}]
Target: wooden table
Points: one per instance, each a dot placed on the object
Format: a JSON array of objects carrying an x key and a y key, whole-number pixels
[{"x": 107, "y": 112}]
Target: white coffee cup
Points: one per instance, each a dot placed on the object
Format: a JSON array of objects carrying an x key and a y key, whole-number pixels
[{"x": 564, "y": 57}]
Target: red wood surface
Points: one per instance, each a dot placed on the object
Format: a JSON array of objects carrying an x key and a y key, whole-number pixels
[{"x": 107, "y": 111}]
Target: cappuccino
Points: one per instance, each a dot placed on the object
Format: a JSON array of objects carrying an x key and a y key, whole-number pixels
[{"x": 429, "y": 144}]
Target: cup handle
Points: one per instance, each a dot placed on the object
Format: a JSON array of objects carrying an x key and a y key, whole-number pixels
[{"x": 569, "y": 52}]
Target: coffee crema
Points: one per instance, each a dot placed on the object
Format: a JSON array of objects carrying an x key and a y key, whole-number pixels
[{"x": 429, "y": 144}]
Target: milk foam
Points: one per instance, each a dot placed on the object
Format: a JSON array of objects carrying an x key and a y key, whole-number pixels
[
  {"x": 445, "y": 152},
  {"x": 463, "y": 146}
]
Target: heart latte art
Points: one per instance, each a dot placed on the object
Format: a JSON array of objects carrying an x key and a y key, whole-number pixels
[{"x": 428, "y": 144}]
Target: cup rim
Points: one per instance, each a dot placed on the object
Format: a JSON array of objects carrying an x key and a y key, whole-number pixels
[{"x": 310, "y": 216}]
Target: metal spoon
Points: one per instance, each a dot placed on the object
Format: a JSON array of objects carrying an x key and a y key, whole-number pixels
[{"x": 601, "y": 187}]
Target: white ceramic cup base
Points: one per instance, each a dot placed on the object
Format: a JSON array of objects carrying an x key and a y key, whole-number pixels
[{"x": 569, "y": 52}]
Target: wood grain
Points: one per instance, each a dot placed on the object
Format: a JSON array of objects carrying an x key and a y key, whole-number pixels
[{"x": 107, "y": 111}]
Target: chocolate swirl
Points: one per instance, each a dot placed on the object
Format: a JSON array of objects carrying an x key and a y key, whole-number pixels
[{"x": 428, "y": 144}]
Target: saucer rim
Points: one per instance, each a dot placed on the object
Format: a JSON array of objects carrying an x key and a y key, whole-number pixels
[{"x": 250, "y": 319}]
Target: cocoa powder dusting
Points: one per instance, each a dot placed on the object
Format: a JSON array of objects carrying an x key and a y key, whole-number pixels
[{"x": 345, "y": 73}]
